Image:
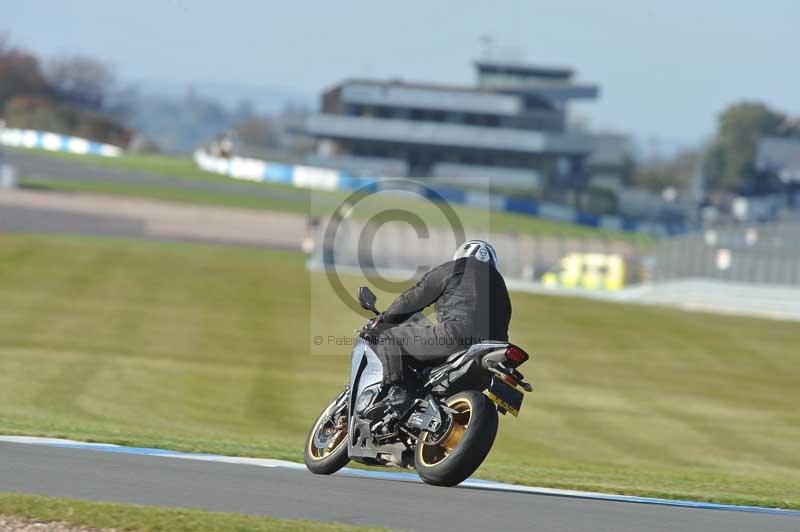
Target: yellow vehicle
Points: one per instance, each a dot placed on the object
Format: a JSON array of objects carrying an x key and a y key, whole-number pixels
[{"x": 593, "y": 271}]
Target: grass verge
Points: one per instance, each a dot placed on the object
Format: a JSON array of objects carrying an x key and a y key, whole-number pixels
[
  {"x": 152, "y": 518},
  {"x": 171, "y": 165},
  {"x": 204, "y": 348}
]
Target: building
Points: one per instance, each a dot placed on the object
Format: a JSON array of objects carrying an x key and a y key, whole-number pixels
[
  {"x": 781, "y": 156},
  {"x": 508, "y": 131}
]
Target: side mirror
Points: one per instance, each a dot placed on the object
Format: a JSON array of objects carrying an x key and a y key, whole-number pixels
[{"x": 367, "y": 299}]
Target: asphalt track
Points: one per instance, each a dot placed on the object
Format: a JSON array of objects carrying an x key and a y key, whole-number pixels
[
  {"x": 286, "y": 490},
  {"x": 108, "y": 216},
  {"x": 51, "y": 212}
]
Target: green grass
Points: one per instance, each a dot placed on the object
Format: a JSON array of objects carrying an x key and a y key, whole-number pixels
[
  {"x": 152, "y": 518},
  {"x": 171, "y": 165},
  {"x": 205, "y": 348},
  {"x": 320, "y": 203}
]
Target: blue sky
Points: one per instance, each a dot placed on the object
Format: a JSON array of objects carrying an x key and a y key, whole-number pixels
[{"x": 665, "y": 68}]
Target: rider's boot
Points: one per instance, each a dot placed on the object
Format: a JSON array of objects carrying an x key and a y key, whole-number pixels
[{"x": 395, "y": 401}]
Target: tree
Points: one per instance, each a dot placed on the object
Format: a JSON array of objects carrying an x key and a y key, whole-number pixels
[
  {"x": 79, "y": 80},
  {"x": 730, "y": 162},
  {"x": 658, "y": 174},
  {"x": 19, "y": 73},
  {"x": 67, "y": 99}
]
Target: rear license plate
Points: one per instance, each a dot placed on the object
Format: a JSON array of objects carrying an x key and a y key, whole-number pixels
[{"x": 503, "y": 395}]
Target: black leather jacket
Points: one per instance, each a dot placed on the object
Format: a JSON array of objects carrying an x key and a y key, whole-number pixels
[{"x": 470, "y": 295}]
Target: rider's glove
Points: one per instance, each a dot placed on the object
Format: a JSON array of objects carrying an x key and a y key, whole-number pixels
[{"x": 374, "y": 328}]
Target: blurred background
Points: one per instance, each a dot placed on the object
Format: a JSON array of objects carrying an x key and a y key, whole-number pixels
[{"x": 168, "y": 169}]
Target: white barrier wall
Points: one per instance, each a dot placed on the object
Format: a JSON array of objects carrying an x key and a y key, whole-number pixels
[{"x": 29, "y": 138}]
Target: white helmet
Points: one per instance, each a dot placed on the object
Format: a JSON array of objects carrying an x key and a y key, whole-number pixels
[{"x": 483, "y": 251}]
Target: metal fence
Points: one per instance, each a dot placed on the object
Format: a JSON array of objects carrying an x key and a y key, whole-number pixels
[
  {"x": 763, "y": 254},
  {"x": 755, "y": 254},
  {"x": 558, "y": 259}
]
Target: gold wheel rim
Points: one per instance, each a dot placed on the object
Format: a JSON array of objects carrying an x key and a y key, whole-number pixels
[
  {"x": 431, "y": 455},
  {"x": 315, "y": 452}
]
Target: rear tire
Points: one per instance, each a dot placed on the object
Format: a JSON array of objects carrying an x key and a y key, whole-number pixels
[
  {"x": 469, "y": 442},
  {"x": 326, "y": 461}
]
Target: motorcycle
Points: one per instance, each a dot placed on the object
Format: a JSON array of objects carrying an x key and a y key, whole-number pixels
[{"x": 446, "y": 432}]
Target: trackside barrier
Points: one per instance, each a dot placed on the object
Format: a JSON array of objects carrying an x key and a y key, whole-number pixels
[
  {"x": 327, "y": 179},
  {"x": 29, "y": 138}
]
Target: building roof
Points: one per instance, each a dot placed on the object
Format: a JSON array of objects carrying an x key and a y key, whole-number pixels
[
  {"x": 524, "y": 69},
  {"x": 553, "y": 91},
  {"x": 398, "y": 82},
  {"x": 414, "y": 96}
]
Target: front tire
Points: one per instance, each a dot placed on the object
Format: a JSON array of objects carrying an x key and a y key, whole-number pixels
[
  {"x": 326, "y": 446},
  {"x": 457, "y": 454}
]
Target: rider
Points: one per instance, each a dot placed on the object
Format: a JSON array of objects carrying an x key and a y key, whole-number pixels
[{"x": 472, "y": 305}]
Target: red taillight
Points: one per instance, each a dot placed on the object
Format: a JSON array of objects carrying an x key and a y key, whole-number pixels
[
  {"x": 510, "y": 379},
  {"x": 515, "y": 355}
]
